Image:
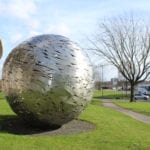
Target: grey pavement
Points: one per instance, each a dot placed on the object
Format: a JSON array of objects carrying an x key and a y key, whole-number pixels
[{"x": 135, "y": 115}]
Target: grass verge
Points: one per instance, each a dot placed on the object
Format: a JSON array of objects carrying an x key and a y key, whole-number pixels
[
  {"x": 114, "y": 131},
  {"x": 110, "y": 94},
  {"x": 141, "y": 107}
]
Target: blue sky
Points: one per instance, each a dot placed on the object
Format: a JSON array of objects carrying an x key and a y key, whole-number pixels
[{"x": 76, "y": 19}]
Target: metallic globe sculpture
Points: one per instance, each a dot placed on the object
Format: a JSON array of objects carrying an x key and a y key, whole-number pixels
[
  {"x": 1, "y": 49},
  {"x": 48, "y": 80}
]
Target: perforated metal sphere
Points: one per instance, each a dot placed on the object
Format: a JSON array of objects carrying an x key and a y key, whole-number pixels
[{"x": 48, "y": 80}]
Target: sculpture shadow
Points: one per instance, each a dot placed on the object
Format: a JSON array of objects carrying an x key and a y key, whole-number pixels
[{"x": 15, "y": 125}]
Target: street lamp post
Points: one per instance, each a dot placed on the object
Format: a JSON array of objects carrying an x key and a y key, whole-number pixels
[{"x": 102, "y": 69}]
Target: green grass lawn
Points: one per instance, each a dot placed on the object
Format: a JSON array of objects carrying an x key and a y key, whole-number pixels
[
  {"x": 114, "y": 131},
  {"x": 110, "y": 94},
  {"x": 141, "y": 107}
]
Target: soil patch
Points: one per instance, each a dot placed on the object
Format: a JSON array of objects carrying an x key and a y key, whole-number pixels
[{"x": 15, "y": 125}]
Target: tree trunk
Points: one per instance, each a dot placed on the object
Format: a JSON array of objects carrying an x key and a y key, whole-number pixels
[{"x": 132, "y": 92}]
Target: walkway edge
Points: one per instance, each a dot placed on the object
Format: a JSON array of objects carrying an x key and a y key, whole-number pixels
[{"x": 135, "y": 115}]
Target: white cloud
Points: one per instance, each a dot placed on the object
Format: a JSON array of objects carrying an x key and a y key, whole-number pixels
[
  {"x": 34, "y": 33},
  {"x": 61, "y": 28},
  {"x": 24, "y": 14},
  {"x": 21, "y": 9},
  {"x": 15, "y": 38},
  {"x": 33, "y": 23}
]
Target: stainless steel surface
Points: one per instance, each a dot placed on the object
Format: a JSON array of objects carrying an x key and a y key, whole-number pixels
[
  {"x": 1, "y": 49},
  {"x": 48, "y": 79}
]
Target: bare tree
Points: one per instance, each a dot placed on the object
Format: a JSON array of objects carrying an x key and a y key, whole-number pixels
[{"x": 125, "y": 43}]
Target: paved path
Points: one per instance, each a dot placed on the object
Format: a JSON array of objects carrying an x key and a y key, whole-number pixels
[{"x": 138, "y": 116}]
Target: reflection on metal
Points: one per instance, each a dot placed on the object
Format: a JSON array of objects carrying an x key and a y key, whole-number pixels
[
  {"x": 1, "y": 49},
  {"x": 48, "y": 79}
]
